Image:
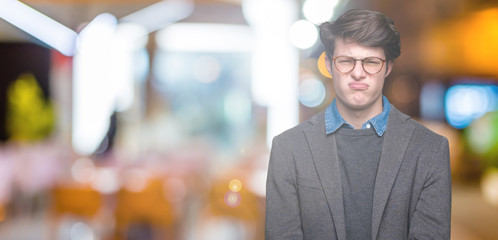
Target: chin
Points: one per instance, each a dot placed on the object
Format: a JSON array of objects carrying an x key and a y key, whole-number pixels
[{"x": 360, "y": 105}]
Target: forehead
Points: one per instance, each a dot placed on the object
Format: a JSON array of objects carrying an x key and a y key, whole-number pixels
[{"x": 354, "y": 49}]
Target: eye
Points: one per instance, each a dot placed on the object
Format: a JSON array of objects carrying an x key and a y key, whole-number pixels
[
  {"x": 373, "y": 61},
  {"x": 345, "y": 60}
]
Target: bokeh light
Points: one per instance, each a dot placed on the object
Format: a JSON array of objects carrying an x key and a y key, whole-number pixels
[
  {"x": 482, "y": 136},
  {"x": 106, "y": 181},
  {"x": 95, "y": 86},
  {"x": 489, "y": 186},
  {"x": 232, "y": 199},
  {"x": 312, "y": 92},
  {"x": 81, "y": 231},
  {"x": 466, "y": 45},
  {"x": 319, "y": 11},
  {"x": 39, "y": 26},
  {"x": 135, "y": 180},
  {"x": 262, "y": 13},
  {"x": 465, "y": 103},
  {"x": 303, "y": 34},
  {"x": 235, "y": 185},
  {"x": 83, "y": 170}
]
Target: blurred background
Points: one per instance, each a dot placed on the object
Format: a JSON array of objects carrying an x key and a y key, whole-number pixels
[{"x": 147, "y": 119}]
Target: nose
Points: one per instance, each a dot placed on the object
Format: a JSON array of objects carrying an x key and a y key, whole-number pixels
[{"x": 358, "y": 72}]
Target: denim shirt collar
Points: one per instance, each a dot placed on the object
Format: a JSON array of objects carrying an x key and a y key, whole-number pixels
[{"x": 334, "y": 120}]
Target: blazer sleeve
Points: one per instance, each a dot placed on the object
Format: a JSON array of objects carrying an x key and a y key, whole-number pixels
[
  {"x": 432, "y": 217},
  {"x": 283, "y": 219}
]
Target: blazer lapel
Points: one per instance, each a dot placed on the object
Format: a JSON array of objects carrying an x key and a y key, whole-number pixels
[
  {"x": 396, "y": 139},
  {"x": 324, "y": 151}
]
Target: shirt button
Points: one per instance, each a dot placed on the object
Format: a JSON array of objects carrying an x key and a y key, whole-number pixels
[{"x": 368, "y": 126}]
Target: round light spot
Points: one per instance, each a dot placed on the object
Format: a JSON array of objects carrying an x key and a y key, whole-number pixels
[
  {"x": 303, "y": 34},
  {"x": 232, "y": 199},
  {"x": 319, "y": 11},
  {"x": 465, "y": 103},
  {"x": 481, "y": 134},
  {"x": 81, "y": 231},
  {"x": 135, "y": 180},
  {"x": 83, "y": 170},
  {"x": 311, "y": 92},
  {"x": 235, "y": 185},
  {"x": 106, "y": 181}
]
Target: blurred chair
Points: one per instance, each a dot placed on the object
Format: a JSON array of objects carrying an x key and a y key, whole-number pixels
[
  {"x": 75, "y": 202},
  {"x": 3, "y": 212},
  {"x": 144, "y": 214},
  {"x": 231, "y": 214}
]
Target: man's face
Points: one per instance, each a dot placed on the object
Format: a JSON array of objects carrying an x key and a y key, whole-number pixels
[{"x": 358, "y": 90}]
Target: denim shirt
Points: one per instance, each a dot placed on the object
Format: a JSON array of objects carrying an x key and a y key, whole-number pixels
[{"x": 334, "y": 120}]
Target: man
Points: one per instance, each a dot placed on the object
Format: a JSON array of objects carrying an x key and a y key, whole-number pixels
[{"x": 360, "y": 169}]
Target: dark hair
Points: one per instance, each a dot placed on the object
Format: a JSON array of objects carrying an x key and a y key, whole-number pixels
[{"x": 368, "y": 28}]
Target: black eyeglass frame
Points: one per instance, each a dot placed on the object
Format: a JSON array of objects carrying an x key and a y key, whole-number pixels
[{"x": 362, "y": 64}]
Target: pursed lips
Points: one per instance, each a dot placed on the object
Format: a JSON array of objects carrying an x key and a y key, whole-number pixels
[{"x": 358, "y": 86}]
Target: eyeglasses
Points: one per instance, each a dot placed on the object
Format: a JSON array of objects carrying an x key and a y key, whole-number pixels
[{"x": 371, "y": 65}]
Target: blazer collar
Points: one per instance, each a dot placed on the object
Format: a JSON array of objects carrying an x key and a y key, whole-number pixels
[
  {"x": 324, "y": 151},
  {"x": 395, "y": 143}
]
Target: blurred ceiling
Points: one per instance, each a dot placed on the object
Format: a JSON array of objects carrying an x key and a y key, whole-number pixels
[
  {"x": 409, "y": 16},
  {"x": 439, "y": 25},
  {"x": 75, "y": 13}
]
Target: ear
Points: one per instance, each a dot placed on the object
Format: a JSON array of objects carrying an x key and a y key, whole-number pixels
[
  {"x": 389, "y": 67},
  {"x": 328, "y": 64}
]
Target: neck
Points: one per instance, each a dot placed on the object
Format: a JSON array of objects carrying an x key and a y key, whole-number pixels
[{"x": 357, "y": 116}]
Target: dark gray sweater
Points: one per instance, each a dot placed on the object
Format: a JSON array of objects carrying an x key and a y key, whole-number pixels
[{"x": 359, "y": 153}]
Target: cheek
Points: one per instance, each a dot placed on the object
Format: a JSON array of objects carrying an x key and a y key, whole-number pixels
[
  {"x": 337, "y": 83},
  {"x": 377, "y": 87},
  {"x": 379, "y": 82},
  {"x": 341, "y": 90}
]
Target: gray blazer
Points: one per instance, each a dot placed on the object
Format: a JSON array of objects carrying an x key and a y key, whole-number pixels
[{"x": 412, "y": 193}]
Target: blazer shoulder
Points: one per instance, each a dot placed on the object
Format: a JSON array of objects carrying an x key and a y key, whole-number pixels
[
  {"x": 424, "y": 130},
  {"x": 420, "y": 131}
]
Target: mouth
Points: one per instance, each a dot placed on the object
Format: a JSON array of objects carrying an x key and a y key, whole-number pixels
[{"x": 358, "y": 86}]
